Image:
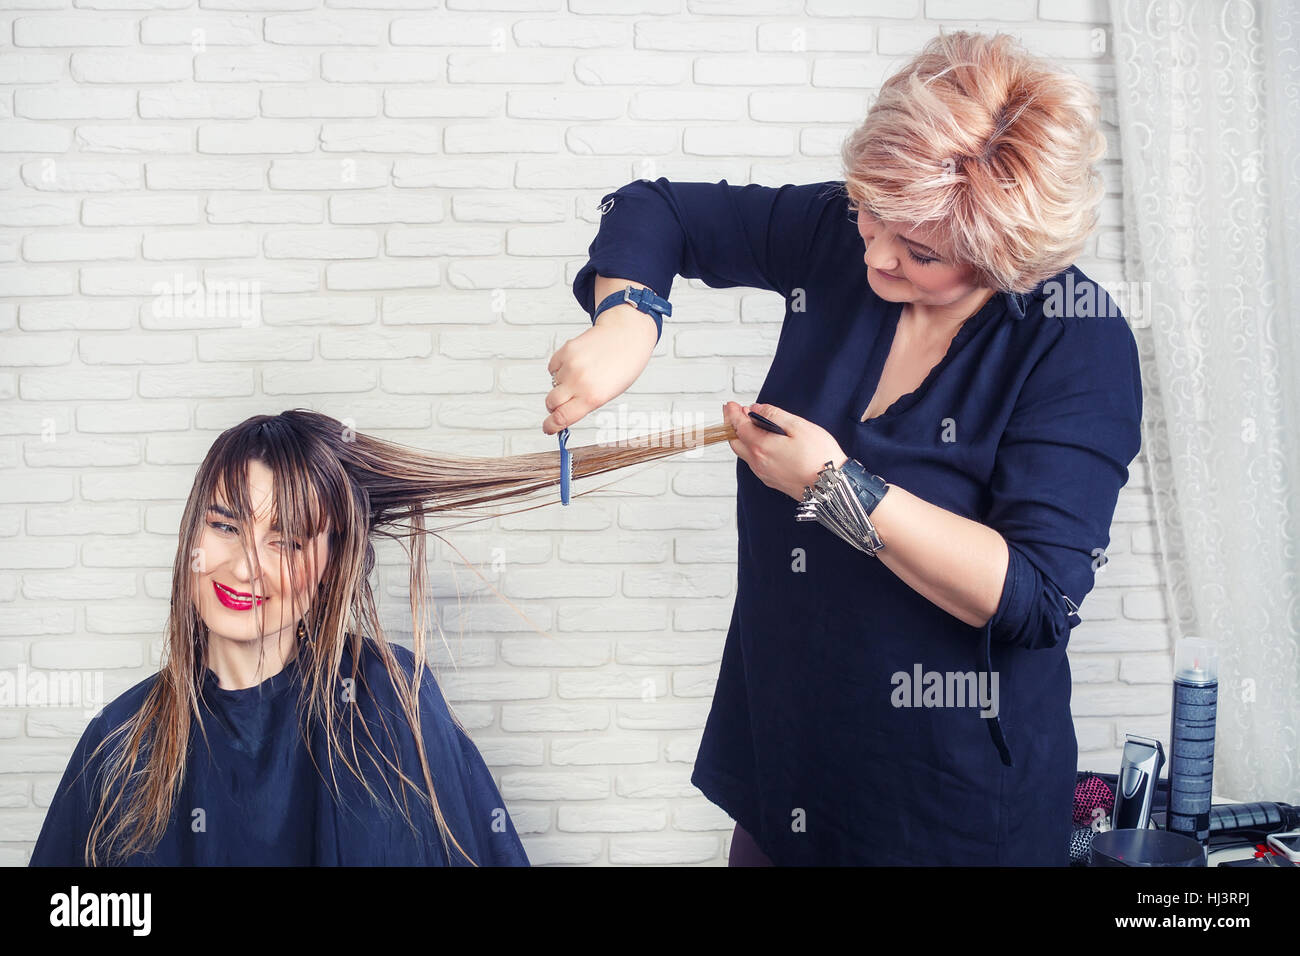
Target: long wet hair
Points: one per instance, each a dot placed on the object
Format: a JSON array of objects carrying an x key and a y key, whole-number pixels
[{"x": 326, "y": 478}]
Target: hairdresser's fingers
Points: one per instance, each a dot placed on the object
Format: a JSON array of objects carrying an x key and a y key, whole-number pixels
[
  {"x": 567, "y": 414},
  {"x": 559, "y": 358},
  {"x": 567, "y": 379},
  {"x": 566, "y": 362},
  {"x": 574, "y": 393},
  {"x": 777, "y": 416},
  {"x": 755, "y": 437},
  {"x": 560, "y": 382},
  {"x": 557, "y": 396},
  {"x": 735, "y": 415}
]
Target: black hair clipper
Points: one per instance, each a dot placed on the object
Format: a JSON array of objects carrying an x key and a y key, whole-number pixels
[{"x": 1139, "y": 773}]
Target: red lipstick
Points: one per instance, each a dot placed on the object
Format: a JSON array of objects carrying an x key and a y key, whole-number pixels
[{"x": 236, "y": 600}]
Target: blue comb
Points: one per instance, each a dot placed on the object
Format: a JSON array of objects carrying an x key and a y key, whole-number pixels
[{"x": 566, "y": 467}]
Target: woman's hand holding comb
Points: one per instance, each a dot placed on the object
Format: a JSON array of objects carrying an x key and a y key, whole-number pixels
[{"x": 598, "y": 365}]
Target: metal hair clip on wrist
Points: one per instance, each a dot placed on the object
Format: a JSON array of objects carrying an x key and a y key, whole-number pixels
[{"x": 842, "y": 501}]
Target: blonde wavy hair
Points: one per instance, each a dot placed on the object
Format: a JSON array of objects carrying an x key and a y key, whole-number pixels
[{"x": 997, "y": 146}]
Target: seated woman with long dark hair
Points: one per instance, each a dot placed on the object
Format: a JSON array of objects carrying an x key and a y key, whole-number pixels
[{"x": 284, "y": 727}]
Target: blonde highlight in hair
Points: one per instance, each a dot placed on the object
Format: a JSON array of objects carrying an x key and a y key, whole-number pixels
[
  {"x": 997, "y": 147},
  {"x": 327, "y": 478}
]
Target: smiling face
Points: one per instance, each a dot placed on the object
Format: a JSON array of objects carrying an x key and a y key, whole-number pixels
[
  {"x": 915, "y": 265},
  {"x": 231, "y": 600}
]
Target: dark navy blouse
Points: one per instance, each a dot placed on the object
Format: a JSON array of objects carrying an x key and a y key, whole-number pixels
[
  {"x": 254, "y": 797},
  {"x": 842, "y": 730}
]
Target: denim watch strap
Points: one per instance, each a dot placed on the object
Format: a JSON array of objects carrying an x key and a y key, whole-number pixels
[
  {"x": 643, "y": 299},
  {"x": 868, "y": 487}
]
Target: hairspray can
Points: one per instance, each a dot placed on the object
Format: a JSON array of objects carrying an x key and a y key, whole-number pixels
[{"x": 1191, "y": 738}]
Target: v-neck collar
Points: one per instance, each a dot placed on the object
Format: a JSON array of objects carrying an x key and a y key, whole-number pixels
[{"x": 995, "y": 305}]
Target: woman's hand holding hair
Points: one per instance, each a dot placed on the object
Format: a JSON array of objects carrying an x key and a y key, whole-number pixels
[
  {"x": 790, "y": 462},
  {"x": 953, "y": 562},
  {"x": 599, "y": 365}
]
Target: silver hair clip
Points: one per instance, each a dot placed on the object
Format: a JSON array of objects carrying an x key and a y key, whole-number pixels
[{"x": 834, "y": 503}]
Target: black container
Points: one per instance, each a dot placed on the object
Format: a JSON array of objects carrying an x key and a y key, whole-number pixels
[{"x": 1145, "y": 848}]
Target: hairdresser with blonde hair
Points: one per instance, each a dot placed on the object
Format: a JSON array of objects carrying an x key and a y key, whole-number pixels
[{"x": 963, "y": 403}]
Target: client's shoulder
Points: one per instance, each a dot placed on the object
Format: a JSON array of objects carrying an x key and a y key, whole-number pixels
[{"x": 375, "y": 671}]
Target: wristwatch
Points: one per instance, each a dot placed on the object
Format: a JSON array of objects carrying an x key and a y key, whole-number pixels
[{"x": 643, "y": 299}]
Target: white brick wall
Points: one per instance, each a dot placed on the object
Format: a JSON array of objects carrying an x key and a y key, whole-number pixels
[{"x": 413, "y": 186}]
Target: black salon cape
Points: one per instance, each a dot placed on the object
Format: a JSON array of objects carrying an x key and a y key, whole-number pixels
[
  {"x": 257, "y": 800},
  {"x": 1027, "y": 425}
]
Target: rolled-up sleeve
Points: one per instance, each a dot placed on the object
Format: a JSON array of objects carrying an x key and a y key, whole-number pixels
[
  {"x": 1061, "y": 462},
  {"x": 754, "y": 236}
]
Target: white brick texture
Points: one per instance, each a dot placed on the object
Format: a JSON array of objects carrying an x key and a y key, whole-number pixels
[{"x": 410, "y": 187}]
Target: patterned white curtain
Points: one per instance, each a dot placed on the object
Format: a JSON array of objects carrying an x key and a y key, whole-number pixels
[{"x": 1209, "y": 114}]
